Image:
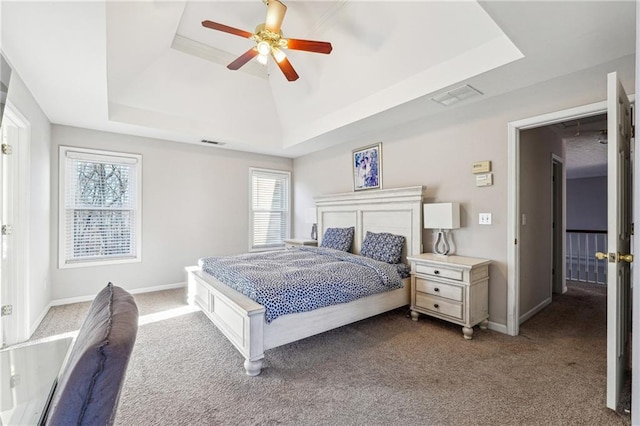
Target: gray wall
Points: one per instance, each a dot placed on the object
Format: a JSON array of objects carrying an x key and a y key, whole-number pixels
[
  {"x": 536, "y": 147},
  {"x": 438, "y": 152},
  {"x": 39, "y": 277},
  {"x": 194, "y": 204},
  {"x": 587, "y": 203}
]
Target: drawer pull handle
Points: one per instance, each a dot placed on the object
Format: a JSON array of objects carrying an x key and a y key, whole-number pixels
[
  {"x": 435, "y": 305},
  {"x": 436, "y": 272},
  {"x": 436, "y": 289}
]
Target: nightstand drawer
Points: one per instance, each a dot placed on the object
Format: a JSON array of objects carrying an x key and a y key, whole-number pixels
[
  {"x": 452, "y": 274},
  {"x": 439, "y": 305},
  {"x": 448, "y": 291}
]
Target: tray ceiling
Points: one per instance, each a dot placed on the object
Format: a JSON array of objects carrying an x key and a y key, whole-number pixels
[{"x": 149, "y": 68}]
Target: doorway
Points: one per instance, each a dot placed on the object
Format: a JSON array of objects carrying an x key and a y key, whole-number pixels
[
  {"x": 563, "y": 190},
  {"x": 514, "y": 217}
]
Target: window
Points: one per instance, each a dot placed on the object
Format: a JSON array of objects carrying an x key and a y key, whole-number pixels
[
  {"x": 100, "y": 207},
  {"x": 270, "y": 216}
]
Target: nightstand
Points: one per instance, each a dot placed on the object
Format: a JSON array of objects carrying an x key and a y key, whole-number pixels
[
  {"x": 452, "y": 288},
  {"x": 290, "y": 242}
]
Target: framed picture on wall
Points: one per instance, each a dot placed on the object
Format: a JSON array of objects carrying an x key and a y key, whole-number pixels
[{"x": 367, "y": 167}]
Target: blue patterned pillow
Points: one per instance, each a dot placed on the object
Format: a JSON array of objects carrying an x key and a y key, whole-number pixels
[
  {"x": 338, "y": 238},
  {"x": 383, "y": 247}
]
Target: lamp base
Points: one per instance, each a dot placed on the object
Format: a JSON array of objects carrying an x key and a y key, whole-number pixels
[{"x": 441, "y": 246}]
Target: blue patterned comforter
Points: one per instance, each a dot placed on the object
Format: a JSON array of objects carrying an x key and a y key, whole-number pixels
[{"x": 302, "y": 278}]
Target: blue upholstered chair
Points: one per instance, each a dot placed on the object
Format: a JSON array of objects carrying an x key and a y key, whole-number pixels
[{"x": 89, "y": 385}]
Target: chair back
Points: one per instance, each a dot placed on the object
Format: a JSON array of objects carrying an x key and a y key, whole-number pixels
[{"x": 89, "y": 385}]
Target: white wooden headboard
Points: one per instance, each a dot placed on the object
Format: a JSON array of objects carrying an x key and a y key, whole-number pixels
[{"x": 396, "y": 211}]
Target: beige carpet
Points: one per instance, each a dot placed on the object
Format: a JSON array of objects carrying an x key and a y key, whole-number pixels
[{"x": 384, "y": 370}]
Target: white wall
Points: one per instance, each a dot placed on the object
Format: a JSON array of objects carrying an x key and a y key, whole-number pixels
[
  {"x": 194, "y": 204},
  {"x": 438, "y": 152},
  {"x": 39, "y": 278},
  {"x": 587, "y": 203},
  {"x": 536, "y": 147}
]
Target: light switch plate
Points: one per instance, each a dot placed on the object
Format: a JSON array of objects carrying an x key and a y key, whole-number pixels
[{"x": 484, "y": 218}]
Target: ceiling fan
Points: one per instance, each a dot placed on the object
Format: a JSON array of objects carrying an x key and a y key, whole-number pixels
[{"x": 270, "y": 41}]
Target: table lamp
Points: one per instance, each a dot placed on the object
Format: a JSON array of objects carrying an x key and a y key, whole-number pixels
[
  {"x": 442, "y": 216},
  {"x": 310, "y": 217}
]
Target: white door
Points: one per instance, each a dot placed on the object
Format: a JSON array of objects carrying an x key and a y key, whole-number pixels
[
  {"x": 9, "y": 327},
  {"x": 618, "y": 236}
]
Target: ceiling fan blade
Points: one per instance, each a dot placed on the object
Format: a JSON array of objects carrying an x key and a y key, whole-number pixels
[
  {"x": 275, "y": 16},
  {"x": 309, "y": 45},
  {"x": 243, "y": 59},
  {"x": 287, "y": 69},
  {"x": 226, "y": 29}
]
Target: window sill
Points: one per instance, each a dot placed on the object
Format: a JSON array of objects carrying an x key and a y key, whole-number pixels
[{"x": 92, "y": 263}]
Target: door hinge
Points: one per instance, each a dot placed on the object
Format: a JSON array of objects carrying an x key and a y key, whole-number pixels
[
  {"x": 7, "y": 149},
  {"x": 516, "y": 241},
  {"x": 6, "y": 230},
  {"x": 632, "y": 228},
  {"x": 6, "y": 310},
  {"x": 14, "y": 381}
]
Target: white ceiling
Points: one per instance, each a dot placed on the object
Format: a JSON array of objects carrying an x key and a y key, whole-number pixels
[{"x": 149, "y": 68}]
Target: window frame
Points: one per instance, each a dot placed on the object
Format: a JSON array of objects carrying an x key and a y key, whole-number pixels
[
  {"x": 62, "y": 223},
  {"x": 287, "y": 233}
]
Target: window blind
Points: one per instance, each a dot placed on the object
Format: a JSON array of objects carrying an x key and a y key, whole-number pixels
[
  {"x": 269, "y": 208},
  {"x": 100, "y": 207}
]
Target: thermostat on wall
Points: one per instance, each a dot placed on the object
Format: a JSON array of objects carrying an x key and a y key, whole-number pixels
[
  {"x": 481, "y": 167},
  {"x": 484, "y": 180}
]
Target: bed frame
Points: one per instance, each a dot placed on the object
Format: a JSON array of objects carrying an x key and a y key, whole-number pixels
[{"x": 241, "y": 320}]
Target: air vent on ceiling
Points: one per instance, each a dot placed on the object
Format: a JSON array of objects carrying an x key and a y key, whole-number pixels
[
  {"x": 212, "y": 142},
  {"x": 456, "y": 94}
]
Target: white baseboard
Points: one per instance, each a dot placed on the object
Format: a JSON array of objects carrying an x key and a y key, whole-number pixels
[
  {"x": 500, "y": 328},
  {"x": 89, "y": 298},
  {"x": 33, "y": 327},
  {"x": 158, "y": 288},
  {"x": 535, "y": 310}
]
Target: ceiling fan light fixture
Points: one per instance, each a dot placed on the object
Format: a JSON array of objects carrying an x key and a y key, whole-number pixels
[
  {"x": 263, "y": 48},
  {"x": 278, "y": 54},
  {"x": 263, "y": 59}
]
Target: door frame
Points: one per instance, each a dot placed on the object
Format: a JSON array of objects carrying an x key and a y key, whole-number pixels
[
  {"x": 21, "y": 178},
  {"x": 513, "y": 197}
]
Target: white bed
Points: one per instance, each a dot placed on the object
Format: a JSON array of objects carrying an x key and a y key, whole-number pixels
[{"x": 242, "y": 321}]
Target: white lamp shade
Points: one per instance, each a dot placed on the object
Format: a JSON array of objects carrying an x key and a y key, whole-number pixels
[
  {"x": 441, "y": 216},
  {"x": 310, "y": 215}
]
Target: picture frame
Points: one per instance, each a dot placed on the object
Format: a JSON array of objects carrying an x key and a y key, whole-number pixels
[{"x": 367, "y": 167}]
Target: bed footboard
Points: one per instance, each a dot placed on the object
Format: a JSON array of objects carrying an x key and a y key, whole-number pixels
[{"x": 239, "y": 318}]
